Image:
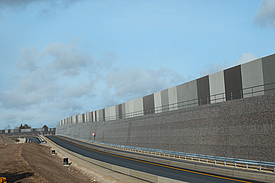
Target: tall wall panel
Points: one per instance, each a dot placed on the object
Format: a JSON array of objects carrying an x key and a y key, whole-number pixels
[
  {"x": 157, "y": 102},
  {"x": 269, "y": 73},
  {"x": 252, "y": 75},
  {"x": 74, "y": 119},
  {"x": 110, "y": 113},
  {"x": 91, "y": 116},
  {"x": 203, "y": 90},
  {"x": 138, "y": 107},
  {"x": 148, "y": 104},
  {"x": 95, "y": 116},
  {"x": 123, "y": 110},
  {"x": 173, "y": 98},
  {"x": 119, "y": 111},
  {"x": 217, "y": 87},
  {"x": 101, "y": 115},
  {"x": 79, "y": 118},
  {"x": 233, "y": 83},
  {"x": 128, "y": 108},
  {"x": 164, "y": 100},
  {"x": 187, "y": 94}
]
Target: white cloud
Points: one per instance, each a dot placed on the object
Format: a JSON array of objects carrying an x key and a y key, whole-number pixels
[
  {"x": 265, "y": 16},
  {"x": 82, "y": 89},
  {"x": 47, "y": 5},
  {"x": 28, "y": 59},
  {"x": 12, "y": 118},
  {"x": 213, "y": 68},
  {"x": 69, "y": 59},
  {"x": 245, "y": 57},
  {"x": 47, "y": 75},
  {"x": 134, "y": 82}
]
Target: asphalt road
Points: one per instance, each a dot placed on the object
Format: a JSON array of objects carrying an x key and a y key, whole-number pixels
[
  {"x": 33, "y": 139},
  {"x": 152, "y": 168}
]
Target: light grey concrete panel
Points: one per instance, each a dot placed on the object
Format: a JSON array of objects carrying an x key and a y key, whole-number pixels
[
  {"x": 157, "y": 100},
  {"x": 173, "y": 99},
  {"x": 79, "y": 118},
  {"x": 164, "y": 100},
  {"x": 217, "y": 88},
  {"x": 110, "y": 113},
  {"x": 100, "y": 115},
  {"x": 269, "y": 73},
  {"x": 187, "y": 94},
  {"x": 252, "y": 75},
  {"x": 92, "y": 116},
  {"x": 138, "y": 107},
  {"x": 127, "y": 109},
  {"x": 74, "y": 120}
]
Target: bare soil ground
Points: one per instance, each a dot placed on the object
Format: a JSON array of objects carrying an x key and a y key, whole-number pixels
[{"x": 30, "y": 162}]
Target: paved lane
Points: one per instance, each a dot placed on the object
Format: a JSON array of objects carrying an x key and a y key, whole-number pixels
[
  {"x": 148, "y": 167},
  {"x": 33, "y": 139}
]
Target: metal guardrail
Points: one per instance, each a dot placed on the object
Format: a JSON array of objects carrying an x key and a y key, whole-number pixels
[
  {"x": 262, "y": 165},
  {"x": 233, "y": 172},
  {"x": 130, "y": 172}
]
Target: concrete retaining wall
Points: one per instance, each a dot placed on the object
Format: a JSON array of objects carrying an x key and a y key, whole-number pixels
[{"x": 242, "y": 128}]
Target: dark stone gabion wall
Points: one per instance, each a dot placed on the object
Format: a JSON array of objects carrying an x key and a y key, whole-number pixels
[{"x": 243, "y": 128}]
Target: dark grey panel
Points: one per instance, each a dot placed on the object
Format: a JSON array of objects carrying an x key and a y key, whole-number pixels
[
  {"x": 123, "y": 110},
  {"x": 269, "y": 73},
  {"x": 83, "y": 118},
  {"x": 148, "y": 104},
  {"x": 233, "y": 83},
  {"x": 95, "y": 116},
  {"x": 203, "y": 90},
  {"x": 118, "y": 114},
  {"x": 103, "y": 111},
  {"x": 164, "y": 100}
]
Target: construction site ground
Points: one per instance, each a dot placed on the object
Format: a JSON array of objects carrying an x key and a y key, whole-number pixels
[{"x": 30, "y": 162}]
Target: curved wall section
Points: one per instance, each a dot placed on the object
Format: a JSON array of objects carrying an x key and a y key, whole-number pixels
[{"x": 200, "y": 116}]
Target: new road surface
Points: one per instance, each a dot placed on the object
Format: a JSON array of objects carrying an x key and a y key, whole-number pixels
[{"x": 181, "y": 174}]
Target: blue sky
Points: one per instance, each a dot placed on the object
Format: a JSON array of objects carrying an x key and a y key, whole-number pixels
[{"x": 60, "y": 58}]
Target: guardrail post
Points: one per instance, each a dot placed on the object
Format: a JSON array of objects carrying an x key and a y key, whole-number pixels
[
  {"x": 235, "y": 165},
  {"x": 246, "y": 166},
  {"x": 215, "y": 162},
  {"x": 65, "y": 161},
  {"x": 260, "y": 168},
  {"x": 225, "y": 163}
]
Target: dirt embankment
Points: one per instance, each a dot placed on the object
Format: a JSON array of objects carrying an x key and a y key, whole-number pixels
[{"x": 30, "y": 162}]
